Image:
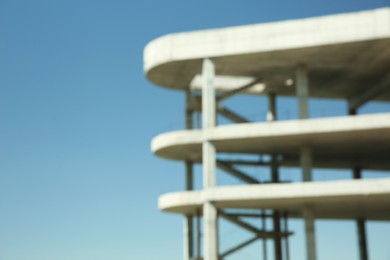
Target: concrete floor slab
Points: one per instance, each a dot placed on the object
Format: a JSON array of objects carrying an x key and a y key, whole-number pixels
[
  {"x": 336, "y": 142},
  {"x": 347, "y": 199}
]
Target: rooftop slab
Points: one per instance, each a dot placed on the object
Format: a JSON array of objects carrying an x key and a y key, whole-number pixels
[{"x": 345, "y": 54}]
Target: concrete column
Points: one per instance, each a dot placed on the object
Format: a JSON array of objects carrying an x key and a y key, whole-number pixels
[
  {"x": 277, "y": 239},
  {"x": 208, "y": 109},
  {"x": 361, "y": 226},
  {"x": 360, "y": 223},
  {"x": 188, "y": 247},
  {"x": 264, "y": 227},
  {"x": 188, "y": 228},
  {"x": 189, "y": 110},
  {"x": 310, "y": 234},
  {"x": 188, "y": 225},
  {"x": 276, "y": 213},
  {"x": 302, "y": 91},
  {"x": 210, "y": 231},
  {"x": 271, "y": 116},
  {"x": 209, "y": 165},
  {"x": 286, "y": 246},
  {"x": 198, "y": 234},
  {"x": 208, "y": 94},
  {"x": 306, "y": 162},
  {"x": 209, "y": 161}
]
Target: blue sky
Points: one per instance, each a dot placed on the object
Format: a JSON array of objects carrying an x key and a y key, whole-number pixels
[{"x": 77, "y": 178}]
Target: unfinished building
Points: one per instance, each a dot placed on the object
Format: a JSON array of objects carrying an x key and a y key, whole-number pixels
[{"x": 343, "y": 56}]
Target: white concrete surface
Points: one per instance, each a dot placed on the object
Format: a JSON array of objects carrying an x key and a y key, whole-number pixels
[
  {"x": 336, "y": 199},
  {"x": 364, "y": 138},
  {"x": 210, "y": 215},
  {"x": 228, "y": 83},
  {"x": 338, "y": 50}
]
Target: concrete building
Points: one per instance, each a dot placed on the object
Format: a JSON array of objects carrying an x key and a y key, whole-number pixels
[{"x": 343, "y": 56}]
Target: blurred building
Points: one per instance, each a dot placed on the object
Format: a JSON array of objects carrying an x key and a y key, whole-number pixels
[{"x": 344, "y": 56}]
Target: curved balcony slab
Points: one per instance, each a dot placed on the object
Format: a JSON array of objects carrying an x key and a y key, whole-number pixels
[
  {"x": 339, "y": 141},
  {"x": 345, "y": 53},
  {"x": 369, "y": 199}
]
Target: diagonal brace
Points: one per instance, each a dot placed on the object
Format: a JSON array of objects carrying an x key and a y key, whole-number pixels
[
  {"x": 360, "y": 99},
  {"x": 195, "y": 105},
  {"x": 236, "y": 173},
  {"x": 239, "y": 222},
  {"x": 231, "y": 115},
  {"x": 238, "y": 247},
  {"x": 244, "y": 225}
]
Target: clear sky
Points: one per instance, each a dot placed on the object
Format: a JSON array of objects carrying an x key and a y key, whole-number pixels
[{"x": 77, "y": 178}]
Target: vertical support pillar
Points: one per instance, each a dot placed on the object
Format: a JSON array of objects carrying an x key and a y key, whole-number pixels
[
  {"x": 198, "y": 234},
  {"x": 361, "y": 226},
  {"x": 208, "y": 94},
  {"x": 188, "y": 238},
  {"x": 302, "y": 91},
  {"x": 188, "y": 227},
  {"x": 306, "y": 162},
  {"x": 189, "y": 110},
  {"x": 278, "y": 238},
  {"x": 209, "y": 161},
  {"x": 276, "y": 213},
  {"x": 264, "y": 226},
  {"x": 360, "y": 222},
  {"x": 287, "y": 250},
  {"x": 352, "y": 112},
  {"x": 271, "y": 116},
  {"x": 310, "y": 234}
]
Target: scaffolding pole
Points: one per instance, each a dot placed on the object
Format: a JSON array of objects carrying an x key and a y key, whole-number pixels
[{"x": 361, "y": 225}]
